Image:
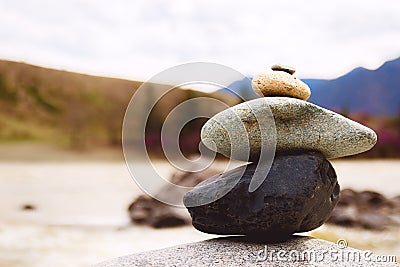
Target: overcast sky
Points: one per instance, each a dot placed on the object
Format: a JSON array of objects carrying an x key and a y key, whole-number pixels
[{"x": 137, "y": 39}]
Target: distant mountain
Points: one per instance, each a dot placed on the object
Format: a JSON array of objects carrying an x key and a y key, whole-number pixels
[
  {"x": 371, "y": 92},
  {"x": 241, "y": 89}
]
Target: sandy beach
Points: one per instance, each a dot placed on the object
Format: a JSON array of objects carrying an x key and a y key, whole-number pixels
[{"x": 80, "y": 217}]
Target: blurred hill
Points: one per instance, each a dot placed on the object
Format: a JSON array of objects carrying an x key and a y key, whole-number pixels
[
  {"x": 74, "y": 110},
  {"x": 46, "y": 105}
]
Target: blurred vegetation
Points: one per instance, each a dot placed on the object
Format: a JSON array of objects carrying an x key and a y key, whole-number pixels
[
  {"x": 59, "y": 107},
  {"x": 79, "y": 111},
  {"x": 388, "y": 130},
  {"x": 84, "y": 112}
]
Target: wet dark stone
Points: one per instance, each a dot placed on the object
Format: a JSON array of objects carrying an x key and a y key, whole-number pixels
[{"x": 297, "y": 195}]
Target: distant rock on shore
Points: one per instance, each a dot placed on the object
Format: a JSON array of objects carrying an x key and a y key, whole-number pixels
[
  {"x": 366, "y": 209},
  {"x": 146, "y": 210}
]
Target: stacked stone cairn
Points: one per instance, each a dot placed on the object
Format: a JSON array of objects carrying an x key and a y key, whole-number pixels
[{"x": 300, "y": 189}]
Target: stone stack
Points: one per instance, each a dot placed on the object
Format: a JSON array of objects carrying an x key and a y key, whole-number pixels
[{"x": 300, "y": 189}]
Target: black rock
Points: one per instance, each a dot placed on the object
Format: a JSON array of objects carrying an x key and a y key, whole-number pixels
[{"x": 297, "y": 195}]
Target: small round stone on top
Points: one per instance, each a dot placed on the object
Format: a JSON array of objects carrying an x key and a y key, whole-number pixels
[{"x": 280, "y": 82}]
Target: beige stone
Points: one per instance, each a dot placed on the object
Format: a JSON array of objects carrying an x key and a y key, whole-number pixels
[{"x": 280, "y": 83}]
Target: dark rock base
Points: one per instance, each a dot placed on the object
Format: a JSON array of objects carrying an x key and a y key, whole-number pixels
[{"x": 298, "y": 195}]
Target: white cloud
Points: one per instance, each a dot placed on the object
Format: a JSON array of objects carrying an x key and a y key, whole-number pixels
[{"x": 137, "y": 39}]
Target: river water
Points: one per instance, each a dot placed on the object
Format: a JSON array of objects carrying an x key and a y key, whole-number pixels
[{"x": 79, "y": 216}]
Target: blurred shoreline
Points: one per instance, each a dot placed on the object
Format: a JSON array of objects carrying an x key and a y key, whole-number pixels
[
  {"x": 42, "y": 152},
  {"x": 39, "y": 152}
]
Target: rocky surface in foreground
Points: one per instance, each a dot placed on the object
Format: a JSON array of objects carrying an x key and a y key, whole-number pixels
[{"x": 239, "y": 251}]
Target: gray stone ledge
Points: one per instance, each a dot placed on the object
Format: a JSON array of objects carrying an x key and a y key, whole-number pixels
[{"x": 239, "y": 251}]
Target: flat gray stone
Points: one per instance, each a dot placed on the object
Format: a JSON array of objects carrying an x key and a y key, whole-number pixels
[
  {"x": 296, "y": 125},
  {"x": 239, "y": 251}
]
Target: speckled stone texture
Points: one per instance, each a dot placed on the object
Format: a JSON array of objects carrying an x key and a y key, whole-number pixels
[
  {"x": 280, "y": 83},
  {"x": 240, "y": 251},
  {"x": 297, "y": 195},
  {"x": 299, "y": 125}
]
